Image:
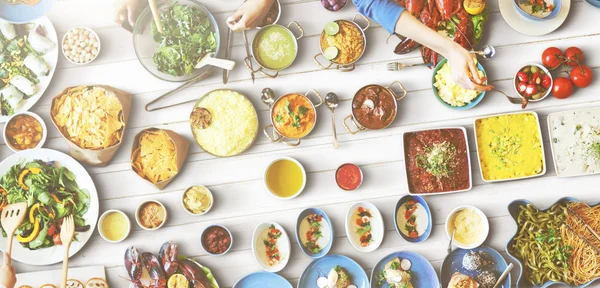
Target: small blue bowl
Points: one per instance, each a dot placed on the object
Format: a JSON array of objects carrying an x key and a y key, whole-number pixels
[
  {"x": 21, "y": 13},
  {"x": 397, "y": 224},
  {"x": 531, "y": 17},
  {"x": 325, "y": 249},
  {"x": 202, "y": 237},
  {"x": 470, "y": 105}
]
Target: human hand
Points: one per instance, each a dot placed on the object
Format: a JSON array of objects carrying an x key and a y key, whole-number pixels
[
  {"x": 463, "y": 69},
  {"x": 125, "y": 10},
  {"x": 8, "y": 276},
  {"x": 249, "y": 15}
]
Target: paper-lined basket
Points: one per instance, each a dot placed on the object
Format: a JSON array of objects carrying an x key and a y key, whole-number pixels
[
  {"x": 181, "y": 151},
  {"x": 97, "y": 157}
]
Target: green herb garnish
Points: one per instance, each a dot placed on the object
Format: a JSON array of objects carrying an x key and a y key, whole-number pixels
[{"x": 438, "y": 159}]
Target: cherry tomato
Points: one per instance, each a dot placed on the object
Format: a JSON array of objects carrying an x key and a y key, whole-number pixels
[
  {"x": 530, "y": 90},
  {"x": 522, "y": 76},
  {"x": 552, "y": 57},
  {"x": 546, "y": 81},
  {"x": 56, "y": 239},
  {"x": 51, "y": 230},
  {"x": 522, "y": 87},
  {"x": 574, "y": 56},
  {"x": 536, "y": 78},
  {"x": 581, "y": 76},
  {"x": 563, "y": 88}
]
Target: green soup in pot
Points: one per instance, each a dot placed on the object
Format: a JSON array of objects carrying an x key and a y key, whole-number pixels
[{"x": 275, "y": 47}]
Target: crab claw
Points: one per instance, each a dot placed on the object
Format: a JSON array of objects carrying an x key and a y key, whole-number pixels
[
  {"x": 168, "y": 258},
  {"x": 133, "y": 264}
]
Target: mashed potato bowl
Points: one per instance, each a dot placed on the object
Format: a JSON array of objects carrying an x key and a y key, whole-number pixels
[{"x": 449, "y": 93}]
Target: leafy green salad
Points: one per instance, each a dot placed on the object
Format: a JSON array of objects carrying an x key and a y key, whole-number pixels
[
  {"x": 187, "y": 36},
  {"x": 51, "y": 194}
]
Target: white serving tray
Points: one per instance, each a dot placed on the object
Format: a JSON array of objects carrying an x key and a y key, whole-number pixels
[{"x": 37, "y": 279}]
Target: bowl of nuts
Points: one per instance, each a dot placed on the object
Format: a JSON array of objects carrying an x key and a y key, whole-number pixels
[{"x": 81, "y": 45}]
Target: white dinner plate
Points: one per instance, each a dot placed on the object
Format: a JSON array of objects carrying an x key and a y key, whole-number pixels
[
  {"x": 530, "y": 27},
  {"x": 51, "y": 58},
  {"x": 55, "y": 254}
]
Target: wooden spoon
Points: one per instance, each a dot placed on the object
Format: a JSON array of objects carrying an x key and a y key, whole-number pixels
[
  {"x": 156, "y": 15},
  {"x": 12, "y": 216},
  {"x": 67, "y": 231}
]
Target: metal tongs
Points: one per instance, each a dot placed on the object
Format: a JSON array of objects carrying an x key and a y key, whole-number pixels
[
  {"x": 588, "y": 227},
  {"x": 188, "y": 83}
]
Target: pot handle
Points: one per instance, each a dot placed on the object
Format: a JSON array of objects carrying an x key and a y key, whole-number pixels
[
  {"x": 404, "y": 92},
  {"x": 248, "y": 62},
  {"x": 358, "y": 127},
  {"x": 276, "y": 138},
  {"x": 346, "y": 68},
  {"x": 293, "y": 144},
  {"x": 262, "y": 71},
  {"x": 364, "y": 18},
  {"x": 299, "y": 28},
  {"x": 321, "y": 100},
  {"x": 316, "y": 58}
]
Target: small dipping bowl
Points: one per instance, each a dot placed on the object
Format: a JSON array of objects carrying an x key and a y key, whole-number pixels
[
  {"x": 449, "y": 228},
  {"x": 38, "y": 118},
  {"x": 540, "y": 67},
  {"x": 138, "y": 210},
  {"x": 209, "y": 194},
  {"x": 68, "y": 44},
  {"x": 112, "y": 213},
  {"x": 281, "y": 177},
  {"x": 349, "y": 176},
  {"x": 331, "y": 4},
  {"x": 210, "y": 229}
]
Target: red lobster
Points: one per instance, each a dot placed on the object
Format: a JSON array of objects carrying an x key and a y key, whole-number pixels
[
  {"x": 194, "y": 274},
  {"x": 168, "y": 258},
  {"x": 133, "y": 264}
]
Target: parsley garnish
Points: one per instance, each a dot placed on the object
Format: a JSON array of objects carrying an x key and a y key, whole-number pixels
[
  {"x": 278, "y": 118},
  {"x": 302, "y": 110}
]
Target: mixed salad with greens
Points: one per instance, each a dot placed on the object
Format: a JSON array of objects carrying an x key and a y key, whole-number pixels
[
  {"x": 51, "y": 194},
  {"x": 187, "y": 37}
]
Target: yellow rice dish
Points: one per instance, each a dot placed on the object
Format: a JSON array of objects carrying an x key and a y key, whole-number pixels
[
  {"x": 509, "y": 146},
  {"x": 450, "y": 92},
  {"x": 233, "y": 125}
]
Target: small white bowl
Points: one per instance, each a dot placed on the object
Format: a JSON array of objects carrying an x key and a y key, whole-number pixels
[
  {"x": 486, "y": 228},
  {"x": 38, "y": 118},
  {"x": 92, "y": 32},
  {"x": 102, "y": 219},
  {"x": 137, "y": 215},
  {"x": 212, "y": 201},
  {"x": 303, "y": 178},
  {"x": 541, "y": 67}
]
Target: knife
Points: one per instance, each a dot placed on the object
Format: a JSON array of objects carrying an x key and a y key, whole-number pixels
[
  {"x": 227, "y": 53},
  {"x": 248, "y": 54}
]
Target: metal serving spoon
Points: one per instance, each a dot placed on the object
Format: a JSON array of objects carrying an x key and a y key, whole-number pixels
[
  {"x": 331, "y": 99},
  {"x": 451, "y": 240},
  {"x": 503, "y": 276},
  {"x": 487, "y": 52}
]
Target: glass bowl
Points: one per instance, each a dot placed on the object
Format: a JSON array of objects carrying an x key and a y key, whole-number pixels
[{"x": 145, "y": 46}]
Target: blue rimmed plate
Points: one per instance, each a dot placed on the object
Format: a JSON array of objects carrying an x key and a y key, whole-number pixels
[
  {"x": 21, "y": 13},
  {"x": 321, "y": 267},
  {"x": 262, "y": 280},
  {"x": 471, "y": 104},
  {"x": 422, "y": 212},
  {"x": 453, "y": 263},
  {"x": 325, "y": 241},
  {"x": 423, "y": 274}
]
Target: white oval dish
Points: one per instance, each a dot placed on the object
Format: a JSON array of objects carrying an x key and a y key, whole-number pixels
[
  {"x": 486, "y": 227},
  {"x": 38, "y": 118},
  {"x": 259, "y": 249},
  {"x": 377, "y": 228}
]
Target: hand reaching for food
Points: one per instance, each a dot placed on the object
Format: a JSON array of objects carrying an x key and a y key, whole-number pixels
[
  {"x": 248, "y": 16},
  {"x": 126, "y": 10},
  {"x": 464, "y": 69},
  {"x": 8, "y": 277}
]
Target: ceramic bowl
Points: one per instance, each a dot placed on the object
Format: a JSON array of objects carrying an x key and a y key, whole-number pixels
[
  {"x": 552, "y": 15},
  {"x": 399, "y": 218},
  {"x": 102, "y": 219},
  {"x": 202, "y": 237},
  {"x": 210, "y": 195},
  {"x": 471, "y": 104},
  {"x": 303, "y": 176},
  {"x": 137, "y": 215},
  {"x": 326, "y": 231},
  {"x": 486, "y": 226},
  {"x": 376, "y": 223},
  {"x": 541, "y": 67},
  {"x": 38, "y": 118},
  {"x": 93, "y": 33}
]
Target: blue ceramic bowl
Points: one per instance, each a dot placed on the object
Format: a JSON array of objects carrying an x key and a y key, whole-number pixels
[
  {"x": 263, "y": 280},
  {"x": 513, "y": 210},
  {"x": 531, "y": 17},
  {"x": 423, "y": 274},
  {"x": 325, "y": 249},
  {"x": 470, "y": 105},
  {"x": 22, "y": 13},
  {"x": 202, "y": 237},
  {"x": 397, "y": 223},
  {"x": 453, "y": 263},
  {"x": 321, "y": 267},
  {"x": 595, "y": 3}
]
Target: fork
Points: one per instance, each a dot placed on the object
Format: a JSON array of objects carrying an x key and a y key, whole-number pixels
[
  {"x": 11, "y": 218},
  {"x": 67, "y": 232},
  {"x": 397, "y": 66}
]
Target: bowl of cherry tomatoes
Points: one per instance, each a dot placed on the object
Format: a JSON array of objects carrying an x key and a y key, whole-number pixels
[
  {"x": 534, "y": 82},
  {"x": 573, "y": 72}
]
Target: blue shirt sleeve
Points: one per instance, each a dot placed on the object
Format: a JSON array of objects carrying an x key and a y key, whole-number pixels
[{"x": 385, "y": 12}]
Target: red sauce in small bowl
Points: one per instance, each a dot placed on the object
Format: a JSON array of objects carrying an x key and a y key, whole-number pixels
[
  {"x": 216, "y": 240},
  {"x": 348, "y": 176}
]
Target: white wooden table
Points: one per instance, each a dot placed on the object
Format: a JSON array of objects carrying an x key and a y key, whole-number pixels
[{"x": 241, "y": 200}]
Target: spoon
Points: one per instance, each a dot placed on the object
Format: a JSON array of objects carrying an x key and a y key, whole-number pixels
[
  {"x": 487, "y": 52},
  {"x": 221, "y": 63},
  {"x": 451, "y": 240},
  {"x": 504, "y": 274},
  {"x": 514, "y": 100},
  {"x": 331, "y": 99}
]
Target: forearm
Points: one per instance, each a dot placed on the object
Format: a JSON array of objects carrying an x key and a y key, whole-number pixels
[{"x": 411, "y": 27}]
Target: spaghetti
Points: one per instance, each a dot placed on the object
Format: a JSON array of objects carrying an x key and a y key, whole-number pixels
[{"x": 585, "y": 261}]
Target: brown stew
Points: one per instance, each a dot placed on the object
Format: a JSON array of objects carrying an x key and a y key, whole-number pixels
[{"x": 374, "y": 107}]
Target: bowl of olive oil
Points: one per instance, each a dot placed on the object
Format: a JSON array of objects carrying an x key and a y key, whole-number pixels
[{"x": 285, "y": 178}]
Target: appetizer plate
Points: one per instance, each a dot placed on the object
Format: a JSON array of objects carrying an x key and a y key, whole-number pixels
[
  {"x": 21, "y": 13},
  {"x": 51, "y": 58},
  {"x": 52, "y": 255},
  {"x": 377, "y": 228},
  {"x": 406, "y": 151},
  {"x": 532, "y": 27},
  {"x": 321, "y": 267},
  {"x": 471, "y": 104},
  {"x": 145, "y": 279},
  {"x": 453, "y": 263},
  {"x": 595, "y": 3},
  {"x": 326, "y": 229},
  {"x": 420, "y": 213},
  {"x": 262, "y": 280},
  {"x": 423, "y": 274},
  {"x": 260, "y": 250}
]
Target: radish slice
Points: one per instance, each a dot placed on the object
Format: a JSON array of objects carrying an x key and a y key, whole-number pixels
[
  {"x": 405, "y": 264},
  {"x": 322, "y": 282}
]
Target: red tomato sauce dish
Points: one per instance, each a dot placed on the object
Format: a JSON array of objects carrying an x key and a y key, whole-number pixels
[
  {"x": 349, "y": 177},
  {"x": 437, "y": 161}
]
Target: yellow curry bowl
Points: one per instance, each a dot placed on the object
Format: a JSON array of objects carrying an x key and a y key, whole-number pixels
[
  {"x": 510, "y": 146},
  {"x": 366, "y": 115},
  {"x": 350, "y": 45},
  {"x": 274, "y": 48},
  {"x": 293, "y": 116}
]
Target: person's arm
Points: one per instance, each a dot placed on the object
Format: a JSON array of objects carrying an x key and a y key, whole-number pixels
[
  {"x": 395, "y": 19},
  {"x": 249, "y": 15}
]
